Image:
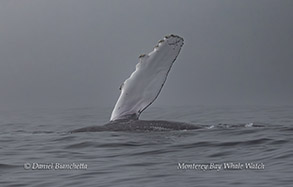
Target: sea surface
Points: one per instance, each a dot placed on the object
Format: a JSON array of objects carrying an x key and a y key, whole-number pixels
[{"x": 235, "y": 146}]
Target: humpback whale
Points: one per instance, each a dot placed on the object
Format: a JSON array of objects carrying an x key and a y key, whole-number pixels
[{"x": 142, "y": 88}]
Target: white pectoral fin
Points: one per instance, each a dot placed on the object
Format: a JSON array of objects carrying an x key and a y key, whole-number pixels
[{"x": 145, "y": 83}]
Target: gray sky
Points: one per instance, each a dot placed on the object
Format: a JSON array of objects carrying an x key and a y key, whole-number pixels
[{"x": 77, "y": 53}]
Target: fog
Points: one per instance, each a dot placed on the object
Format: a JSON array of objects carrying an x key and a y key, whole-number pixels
[{"x": 74, "y": 53}]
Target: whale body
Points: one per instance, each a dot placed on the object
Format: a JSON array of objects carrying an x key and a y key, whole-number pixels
[
  {"x": 139, "y": 125},
  {"x": 142, "y": 88}
]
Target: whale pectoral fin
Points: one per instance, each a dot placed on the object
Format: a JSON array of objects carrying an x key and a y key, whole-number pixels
[{"x": 144, "y": 85}]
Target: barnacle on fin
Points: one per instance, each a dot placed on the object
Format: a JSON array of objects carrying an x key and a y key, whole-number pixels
[
  {"x": 142, "y": 55},
  {"x": 156, "y": 46},
  {"x": 168, "y": 36},
  {"x": 172, "y": 35},
  {"x": 161, "y": 41},
  {"x": 120, "y": 88}
]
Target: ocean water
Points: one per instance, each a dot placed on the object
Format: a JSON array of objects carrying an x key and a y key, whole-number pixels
[{"x": 239, "y": 145}]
